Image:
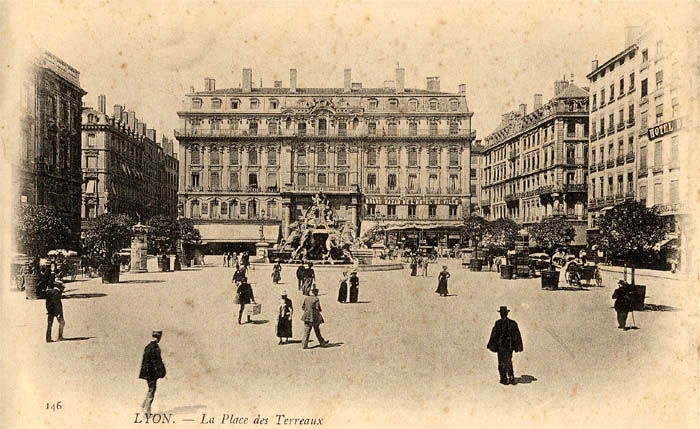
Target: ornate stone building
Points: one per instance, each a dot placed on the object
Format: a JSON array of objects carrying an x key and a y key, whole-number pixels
[
  {"x": 392, "y": 155},
  {"x": 124, "y": 169},
  {"x": 47, "y": 170},
  {"x": 536, "y": 163}
]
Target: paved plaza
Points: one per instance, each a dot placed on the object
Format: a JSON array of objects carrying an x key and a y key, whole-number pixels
[{"x": 402, "y": 356}]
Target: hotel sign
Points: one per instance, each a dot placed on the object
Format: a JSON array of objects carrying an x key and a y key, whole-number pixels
[
  {"x": 663, "y": 129},
  {"x": 412, "y": 200}
]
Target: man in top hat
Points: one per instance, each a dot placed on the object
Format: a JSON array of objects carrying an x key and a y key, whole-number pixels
[
  {"x": 312, "y": 318},
  {"x": 54, "y": 308},
  {"x": 505, "y": 339},
  {"x": 152, "y": 368}
]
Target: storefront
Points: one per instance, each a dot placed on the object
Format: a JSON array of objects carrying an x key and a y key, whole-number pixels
[{"x": 414, "y": 235}]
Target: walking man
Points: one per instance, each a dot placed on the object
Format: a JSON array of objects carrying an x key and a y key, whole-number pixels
[
  {"x": 312, "y": 318},
  {"x": 623, "y": 303},
  {"x": 152, "y": 368},
  {"x": 300, "y": 273},
  {"x": 54, "y": 308},
  {"x": 505, "y": 339}
]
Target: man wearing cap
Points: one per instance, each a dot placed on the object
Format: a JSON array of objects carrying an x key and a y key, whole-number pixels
[
  {"x": 152, "y": 368},
  {"x": 312, "y": 318},
  {"x": 623, "y": 303},
  {"x": 54, "y": 308},
  {"x": 505, "y": 339}
]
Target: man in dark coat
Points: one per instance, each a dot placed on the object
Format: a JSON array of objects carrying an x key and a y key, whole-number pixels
[
  {"x": 505, "y": 339},
  {"x": 152, "y": 368},
  {"x": 623, "y": 303},
  {"x": 300, "y": 273},
  {"x": 312, "y": 318},
  {"x": 54, "y": 308}
]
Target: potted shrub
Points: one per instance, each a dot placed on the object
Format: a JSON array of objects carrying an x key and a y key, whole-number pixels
[
  {"x": 475, "y": 227},
  {"x": 104, "y": 236},
  {"x": 628, "y": 233},
  {"x": 38, "y": 230},
  {"x": 163, "y": 234},
  {"x": 501, "y": 234},
  {"x": 550, "y": 234},
  {"x": 190, "y": 237}
]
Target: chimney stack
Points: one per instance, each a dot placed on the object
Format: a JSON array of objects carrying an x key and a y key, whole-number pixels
[
  {"x": 292, "y": 80},
  {"x": 560, "y": 85},
  {"x": 143, "y": 129},
  {"x": 523, "y": 109},
  {"x": 151, "y": 134},
  {"x": 278, "y": 84},
  {"x": 247, "y": 80},
  {"x": 347, "y": 81},
  {"x": 400, "y": 79},
  {"x": 118, "y": 110},
  {"x": 538, "y": 102},
  {"x": 594, "y": 65},
  {"x": 102, "y": 103},
  {"x": 433, "y": 83},
  {"x": 209, "y": 84},
  {"x": 192, "y": 89},
  {"x": 463, "y": 88}
]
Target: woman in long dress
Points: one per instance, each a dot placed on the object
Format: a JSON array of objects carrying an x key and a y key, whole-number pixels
[
  {"x": 442, "y": 281},
  {"x": 343, "y": 289},
  {"x": 284, "y": 319},
  {"x": 276, "y": 272},
  {"x": 244, "y": 295},
  {"x": 354, "y": 286},
  {"x": 308, "y": 279},
  {"x": 414, "y": 266}
]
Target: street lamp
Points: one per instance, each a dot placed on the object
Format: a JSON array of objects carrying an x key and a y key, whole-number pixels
[{"x": 262, "y": 222}]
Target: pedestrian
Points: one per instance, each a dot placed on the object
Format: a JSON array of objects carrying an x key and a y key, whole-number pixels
[
  {"x": 623, "y": 303},
  {"x": 414, "y": 266},
  {"x": 425, "y": 266},
  {"x": 276, "y": 272},
  {"x": 354, "y": 286},
  {"x": 246, "y": 260},
  {"x": 300, "y": 274},
  {"x": 284, "y": 318},
  {"x": 228, "y": 259},
  {"x": 152, "y": 368},
  {"x": 238, "y": 275},
  {"x": 442, "y": 281},
  {"x": 505, "y": 339},
  {"x": 244, "y": 295},
  {"x": 308, "y": 279},
  {"x": 490, "y": 258},
  {"x": 225, "y": 259},
  {"x": 54, "y": 308},
  {"x": 312, "y": 318},
  {"x": 498, "y": 264},
  {"x": 343, "y": 289}
]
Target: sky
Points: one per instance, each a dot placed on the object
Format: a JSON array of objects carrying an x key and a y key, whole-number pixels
[{"x": 146, "y": 54}]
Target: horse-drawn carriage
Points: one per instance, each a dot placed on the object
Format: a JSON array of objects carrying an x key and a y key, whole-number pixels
[{"x": 578, "y": 274}]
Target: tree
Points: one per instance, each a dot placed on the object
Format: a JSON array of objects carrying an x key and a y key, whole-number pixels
[
  {"x": 629, "y": 231},
  {"x": 163, "y": 234},
  {"x": 189, "y": 235},
  {"x": 501, "y": 233},
  {"x": 475, "y": 227},
  {"x": 40, "y": 229},
  {"x": 551, "y": 233},
  {"x": 106, "y": 235}
]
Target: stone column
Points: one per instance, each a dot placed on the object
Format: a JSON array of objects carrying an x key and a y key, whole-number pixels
[{"x": 139, "y": 249}]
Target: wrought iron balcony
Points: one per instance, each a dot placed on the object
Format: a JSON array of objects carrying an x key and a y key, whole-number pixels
[
  {"x": 630, "y": 123},
  {"x": 609, "y": 198},
  {"x": 620, "y": 126},
  {"x": 610, "y": 163},
  {"x": 324, "y": 188},
  {"x": 620, "y": 160},
  {"x": 643, "y": 172},
  {"x": 511, "y": 197},
  {"x": 392, "y": 191},
  {"x": 434, "y": 191},
  {"x": 372, "y": 190},
  {"x": 611, "y": 130},
  {"x": 601, "y": 167},
  {"x": 456, "y": 191},
  {"x": 413, "y": 191},
  {"x": 629, "y": 157}
]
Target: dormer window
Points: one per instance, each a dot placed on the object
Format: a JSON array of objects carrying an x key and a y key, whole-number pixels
[
  {"x": 274, "y": 104},
  {"x": 235, "y": 103},
  {"x": 433, "y": 104},
  {"x": 454, "y": 105},
  {"x": 254, "y": 104},
  {"x": 216, "y": 103},
  {"x": 196, "y": 103},
  {"x": 373, "y": 104},
  {"x": 413, "y": 105},
  {"x": 393, "y": 105}
]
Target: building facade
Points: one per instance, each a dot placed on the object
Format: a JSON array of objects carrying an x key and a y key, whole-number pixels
[
  {"x": 535, "y": 165},
  {"x": 124, "y": 169},
  {"x": 640, "y": 104},
  {"x": 477, "y": 177},
  {"x": 254, "y": 157},
  {"x": 47, "y": 170}
]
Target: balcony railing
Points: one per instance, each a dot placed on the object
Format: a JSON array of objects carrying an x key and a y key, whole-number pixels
[
  {"x": 609, "y": 199},
  {"x": 601, "y": 167},
  {"x": 601, "y": 134},
  {"x": 643, "y": 172},
  {"x": 611, "y": 130},
  {"x": 324, "y": 188},
  {"x": 392, "y": 191},
  {"x": 511, "y": 197},
  {"x": 610, "y": 163},
  {"x": 629, "y": 195},
  {"x": 657, "y": 170},
  {"x": 630, "y": 123},
  {"x": 620, "y": 160},
  {"x": 629, "y": 157},
  {"x": 372, "y": 190},
  {"x": 620, "y": 126},
  {"x": 594, "y": 137},
  {"x": 413, "y": 191},
  {"x": 359, "y": 132},
  {"x": 433, "y": 191},
  {"x": 456, "y": 191}
]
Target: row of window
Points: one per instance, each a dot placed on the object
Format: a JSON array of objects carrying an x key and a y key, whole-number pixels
[
  {"x": 598, "y": 189},
  {"x": 611, "y": 154},
  {"x": 392, "y": 104},
  {"x": 611, "y": 120},
  {"x": 232, "y": 209},
  {"x": 433, "y": 182},
  {"x": 621, "y": 89},
  {"x": 371, "y": 210}
]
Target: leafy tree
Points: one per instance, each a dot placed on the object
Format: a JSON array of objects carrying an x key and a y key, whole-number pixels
[
  {"x": 476, "y": 227},
  {"x": 629, "y": 231},
  {"x": 40, "y": 229},
  {"x": 189, "y": 235},
  {"x": 163, "y": 233},
  {"x": 551, "y": 233},
  {"x": 106, "y": 235},
  {"x": 501, "y": 233}
]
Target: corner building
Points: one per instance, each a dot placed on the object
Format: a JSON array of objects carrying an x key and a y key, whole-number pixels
[
  {"x": 255, "y": 157},
  {"x": 535, "y": 165}
]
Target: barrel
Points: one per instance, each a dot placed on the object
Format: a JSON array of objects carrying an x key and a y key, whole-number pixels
[
  {"x": 32, "y": 286},
  {"x": 110, "y": 273},
  {"x": 506, "y": 272}
]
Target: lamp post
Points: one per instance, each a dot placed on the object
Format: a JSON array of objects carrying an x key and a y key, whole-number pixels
[{"x": 261, "y": 246}]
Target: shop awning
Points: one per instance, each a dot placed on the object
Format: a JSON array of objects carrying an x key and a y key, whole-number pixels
[
  {"x": 397, "y": 225},
  {"x": 237, "y": 233}
]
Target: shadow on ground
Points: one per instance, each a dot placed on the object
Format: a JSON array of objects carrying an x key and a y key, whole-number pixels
[
  {"x": 141, "y": 281},
  {"x": 83, "y": 295},
  {"x": 524, "y": 379},
  {"x": 658, "y": 307},
  {"x": 76, "y": 338}
]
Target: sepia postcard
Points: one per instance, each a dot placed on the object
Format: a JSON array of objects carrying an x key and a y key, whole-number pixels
[{"x": 350, "y": 214}]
